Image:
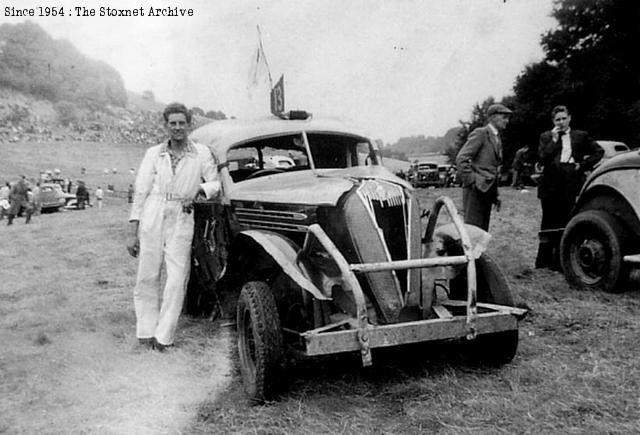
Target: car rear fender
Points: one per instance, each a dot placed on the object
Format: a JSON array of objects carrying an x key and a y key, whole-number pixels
[
  {"x": 617, "y": 195},
  {"x": 284, "y": 253}
]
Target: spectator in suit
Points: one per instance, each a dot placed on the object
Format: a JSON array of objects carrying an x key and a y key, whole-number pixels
[
  {"x": 565, "y": 155},
  {"x": 478, "y": 165}
]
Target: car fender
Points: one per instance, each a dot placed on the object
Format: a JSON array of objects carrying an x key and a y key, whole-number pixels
[
  {"x": 624, "y": 182},
  {"x": 285, "y": 254}
]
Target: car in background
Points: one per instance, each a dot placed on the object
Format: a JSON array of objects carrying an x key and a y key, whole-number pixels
[
  {"x": 281, "y": 162},
  {"x": 52, "y": 198},
  {"x": 447, "y": 175},
  {"x": 611, "y": 148},
  {"x": 331, "y": 255},
  {"x": 425, "y": 174},
  {"x": 600, "y": 245}
]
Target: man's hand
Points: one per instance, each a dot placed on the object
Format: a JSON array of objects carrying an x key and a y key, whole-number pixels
[
  {"x": 497, "y": 204},
  {"x": 133, "y": 246}
]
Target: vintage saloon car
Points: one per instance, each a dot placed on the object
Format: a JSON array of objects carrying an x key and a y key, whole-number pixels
[
  {"x": 425, "y": 174},
  {"x": 601, "y": 243},
  {"x": 330, "y": 255}
]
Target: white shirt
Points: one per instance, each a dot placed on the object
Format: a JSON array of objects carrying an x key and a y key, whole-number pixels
[{"x": 565, "y": 156}]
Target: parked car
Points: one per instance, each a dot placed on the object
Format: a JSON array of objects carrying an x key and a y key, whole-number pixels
[
  {"x": 330, "y": 255},
  {"x": 282, "y": 162},
  {"x": 601, "y": 243},
  {"x": 425, "y": 174},
  {"x": 51, "y": 197},
  {"x": 612, "y": 148},
  {"x": 447, "y": 175}
]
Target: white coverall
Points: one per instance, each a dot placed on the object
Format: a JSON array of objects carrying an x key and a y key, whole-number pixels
[{"x": 165, "y": 232}]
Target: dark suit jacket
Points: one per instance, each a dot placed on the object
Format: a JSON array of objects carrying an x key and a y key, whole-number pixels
[
  {"x": 478, "y": 159},
  {"x": 556, "y": 181}
]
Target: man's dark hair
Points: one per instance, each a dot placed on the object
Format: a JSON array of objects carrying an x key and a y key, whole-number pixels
[
  {"x": 559, "y": 109},
  {"x": 176, "y": 108}
]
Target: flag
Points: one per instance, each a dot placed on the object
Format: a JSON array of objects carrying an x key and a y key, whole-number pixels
[
  {"x": 259, "y": 73},
  {"x": 277, "y": 97}
]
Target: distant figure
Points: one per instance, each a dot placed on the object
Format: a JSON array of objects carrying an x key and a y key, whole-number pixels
[
  {"x": 82, "y": 196},
  {"x": 565, "y": 155},
  {"x": 37, "y": 199},
  {"x": 29, "y": 206},
  {"x": 99, "y": 196},
  {"x": 522, "y": 167},
  {"x": 478, "y": 165},
  {"x": 4, "y": 200},
  {"x": 17, "y": 199},
  {"x": 130, "y": 194}
]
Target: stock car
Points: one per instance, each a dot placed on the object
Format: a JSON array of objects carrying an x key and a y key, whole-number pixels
[{"x": 331, "y": 255}]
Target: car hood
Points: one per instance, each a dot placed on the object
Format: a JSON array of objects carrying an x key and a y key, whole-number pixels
[{"x": 324, "y": 187}]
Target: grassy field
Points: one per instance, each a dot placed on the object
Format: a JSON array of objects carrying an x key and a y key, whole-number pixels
[{"x": 69, "y": 361}]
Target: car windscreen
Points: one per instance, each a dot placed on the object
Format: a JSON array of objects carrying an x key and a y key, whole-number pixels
[{"x": 340, "y": 151}]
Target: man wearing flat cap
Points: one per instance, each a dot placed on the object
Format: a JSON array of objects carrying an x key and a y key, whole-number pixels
[{"x": 478, "y": 164}]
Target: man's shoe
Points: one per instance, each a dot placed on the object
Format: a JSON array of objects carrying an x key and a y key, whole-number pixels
[
  {"x": 160, "y": 347},
  {"x": 146, "y": 342}
]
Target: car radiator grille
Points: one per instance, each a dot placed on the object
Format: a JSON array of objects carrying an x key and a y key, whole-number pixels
[{"x": 388, "y": 208}]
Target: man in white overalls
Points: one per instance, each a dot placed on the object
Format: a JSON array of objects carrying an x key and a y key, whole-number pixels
[{"x": 161, "y": 221}]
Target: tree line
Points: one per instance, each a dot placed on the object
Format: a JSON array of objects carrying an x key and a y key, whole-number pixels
[{"x": 590, "y": 64}]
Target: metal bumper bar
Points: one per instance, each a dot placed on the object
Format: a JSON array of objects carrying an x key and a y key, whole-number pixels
[{"x": 330, "y": 342}]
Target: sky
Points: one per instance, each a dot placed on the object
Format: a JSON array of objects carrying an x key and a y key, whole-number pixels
[{"x": 394, "y": 68}]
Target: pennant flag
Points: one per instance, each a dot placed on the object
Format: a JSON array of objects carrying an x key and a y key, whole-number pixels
[
  {"x": 277, "y": 97},
  {"x": 259, "y": 73}
]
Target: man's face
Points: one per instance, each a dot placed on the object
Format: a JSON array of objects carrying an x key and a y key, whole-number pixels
[
  {"x": 500, "y": 121},
  {"x": 177, "y": 126},
  {"x": 561, "y": 120}
]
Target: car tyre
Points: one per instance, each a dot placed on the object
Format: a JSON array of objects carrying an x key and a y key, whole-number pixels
[
  {"x": 498, "y": 348},
  {"x": 591, "y": 251},
  {"x": 260, "y": 342}
]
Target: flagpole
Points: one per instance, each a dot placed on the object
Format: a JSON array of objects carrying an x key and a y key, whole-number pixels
[{"x": 265, "y": 57}]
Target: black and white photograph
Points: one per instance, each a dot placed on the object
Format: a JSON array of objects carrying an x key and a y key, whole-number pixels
[{"x": 319, "y": 217}]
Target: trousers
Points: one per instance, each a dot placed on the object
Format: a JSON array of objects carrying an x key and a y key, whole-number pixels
[
  {"x": 165, "y": 237},
  {"x": 477, "y": 205}
]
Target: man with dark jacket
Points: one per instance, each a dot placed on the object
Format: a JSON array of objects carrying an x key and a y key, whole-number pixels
[
  {"x": 478, "y": 164},
  {"x": 17, "y": 199},
  {"x": 565, "y": 155}
]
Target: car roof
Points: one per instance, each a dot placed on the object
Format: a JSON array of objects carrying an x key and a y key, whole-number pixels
[
  {"x": 223, "y": 134},
  {"x": 612, "y": 147}
]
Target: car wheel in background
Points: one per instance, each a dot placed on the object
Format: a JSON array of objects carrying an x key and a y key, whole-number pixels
[
  {"x": 591, "y": 252},
  {"x": 260, "y": 342}
]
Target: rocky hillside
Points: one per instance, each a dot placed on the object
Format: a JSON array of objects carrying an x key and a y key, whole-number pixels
[{"x": 25, "y": 118}]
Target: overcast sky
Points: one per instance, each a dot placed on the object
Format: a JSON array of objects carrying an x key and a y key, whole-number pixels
[{"x": 395, "y": 67}]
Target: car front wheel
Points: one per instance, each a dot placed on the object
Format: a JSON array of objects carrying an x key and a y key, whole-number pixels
[
  {"x": 260, "y": 343},
  {"x": 592, "y": 250},
  {"x": 497, "y": 348}
]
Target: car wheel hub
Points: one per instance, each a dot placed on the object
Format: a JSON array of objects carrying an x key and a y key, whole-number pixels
[{"x": 591, "y": 257}]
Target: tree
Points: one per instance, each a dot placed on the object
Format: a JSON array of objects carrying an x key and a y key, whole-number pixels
[
  {"x": 590, "y": 66},
  {"x": 197, "y": 111}
]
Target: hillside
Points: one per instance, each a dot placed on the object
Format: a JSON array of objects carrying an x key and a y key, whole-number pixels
[
  {"x": 34, "y": 63},
  {"x": 26, "y": 118}
]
